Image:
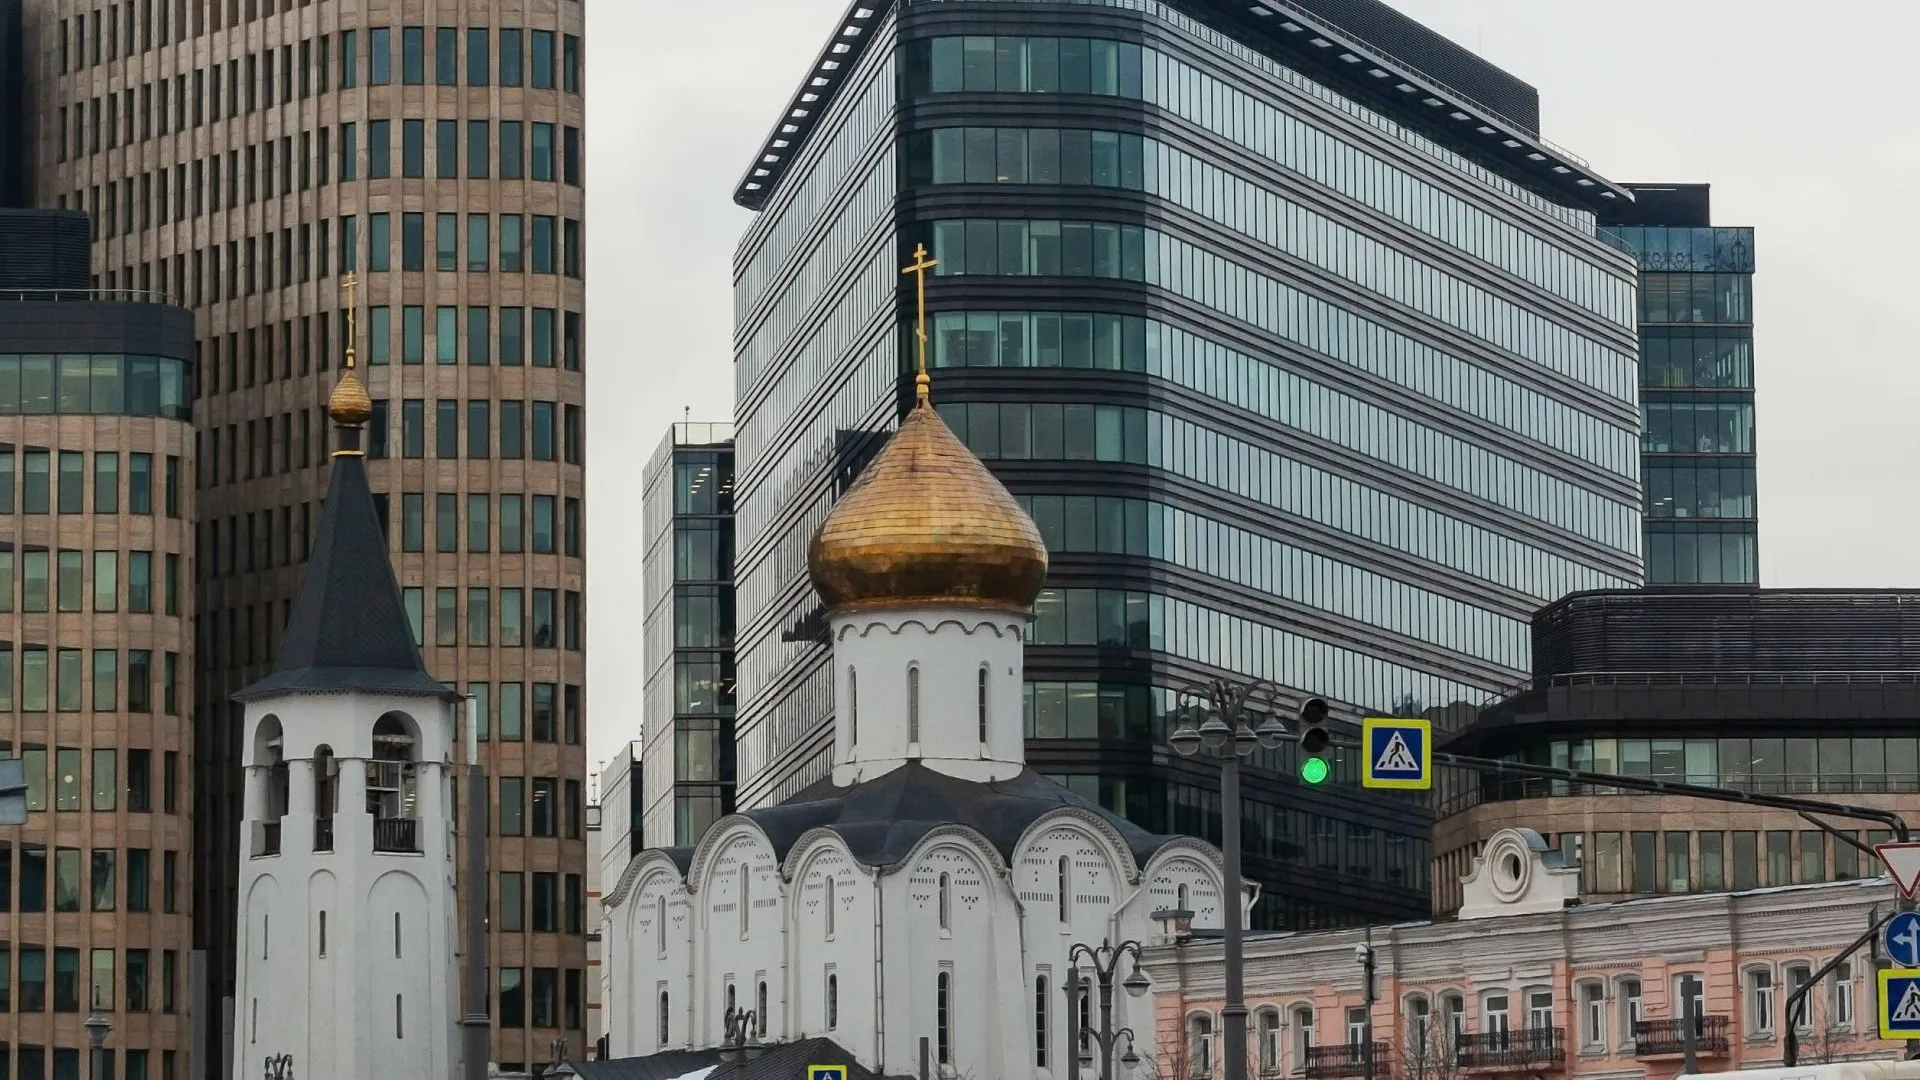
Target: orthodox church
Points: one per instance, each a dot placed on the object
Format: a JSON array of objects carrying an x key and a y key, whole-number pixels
[{"x": 933, "y": 886}]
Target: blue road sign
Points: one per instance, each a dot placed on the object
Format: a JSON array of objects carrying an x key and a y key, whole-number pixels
[
  {"x": 1899, "y": 1004},
  {"x": 1902, "y": 937},
  {"x": 1396, "y": 753},
  {"x": 826, "y": 1072}
]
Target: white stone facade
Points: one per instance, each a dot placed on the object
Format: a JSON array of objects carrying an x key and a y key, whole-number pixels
[
  {"x": 347, "y": 935},
  {"x": 955, "y": 940}
]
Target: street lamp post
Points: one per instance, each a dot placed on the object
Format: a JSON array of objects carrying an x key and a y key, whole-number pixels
[
  {"x": 1104, "y": 962},
  {"x": 279, "y": 1067},
  {"x": 1226, "y": 735},
  {"x": 740, "y": 1041},
  {"x": 1363, "y": 955},
  {"x": 97, "y": 1026}
]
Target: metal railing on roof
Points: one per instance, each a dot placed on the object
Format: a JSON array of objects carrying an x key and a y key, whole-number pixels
[{"x": 116, "y": 296}]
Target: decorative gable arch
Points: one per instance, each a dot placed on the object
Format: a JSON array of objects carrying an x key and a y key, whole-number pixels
[
  {"x": 720, "y": 836},
  {"x": 1095, "y": 828}
]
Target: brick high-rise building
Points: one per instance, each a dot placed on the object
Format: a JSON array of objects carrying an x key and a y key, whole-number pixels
[
  {"x": 96, "y": 669},
  {"x": 243, "y": 156}
]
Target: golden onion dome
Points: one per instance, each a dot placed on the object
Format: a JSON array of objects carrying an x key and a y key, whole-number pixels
[
  {"x": 350, "y": 405},
  {"x": 927, "y": 525}
]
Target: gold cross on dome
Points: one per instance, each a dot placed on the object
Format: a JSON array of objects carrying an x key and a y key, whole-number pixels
[
  {"x": 349, "y": 283},
  {"x": 921, "y": 264}
]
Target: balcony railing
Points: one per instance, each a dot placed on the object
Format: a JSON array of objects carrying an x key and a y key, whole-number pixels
[
  {"x": 323, "y": 834},
  {"x": 1660, "y": 1038},
  {"x": 399, "y": 835},
  {"x": 266, "y": 838},
  {"x": 1347, "y": 1059},
  {"x": 1524, "y": 1048}
]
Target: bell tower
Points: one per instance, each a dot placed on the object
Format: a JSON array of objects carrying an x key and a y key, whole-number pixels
[{"x": 346, "y": 959}]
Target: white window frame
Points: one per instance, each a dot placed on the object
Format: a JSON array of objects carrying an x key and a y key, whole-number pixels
[
  {"x": 1591, "y": 995},
  {"x": 1793, "y": 975},
  {"x": 1496, "y": 1012},
  {"x": 1840, "y": 1005},
  {"x": 1304, "y": 1019},
  {"x": 1758, "y": 1000},
  {"x": 1534, "y": 1013},
  {"x": 1199, "y": 1044},
  {"x": 1633, "y": 1007},
  {"x": 1268, "y": 1048}
]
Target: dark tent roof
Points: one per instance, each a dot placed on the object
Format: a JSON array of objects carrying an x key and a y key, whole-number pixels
[
  {"x": 785, "y": 1061},
  {"x": 348, "y": 629},
  {"x": 882, "y": 819}
]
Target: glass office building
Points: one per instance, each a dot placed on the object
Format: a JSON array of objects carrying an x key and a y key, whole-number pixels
[
  {"x": 1301, "y": 349},
  {"x": 686, "y": 776},
  {"x": 1696, "y": 384}
]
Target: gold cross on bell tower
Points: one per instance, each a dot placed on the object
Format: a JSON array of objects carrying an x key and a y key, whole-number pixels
[
  {"x": 922, "y": 385},
  {"x": 348, "y": 283}
]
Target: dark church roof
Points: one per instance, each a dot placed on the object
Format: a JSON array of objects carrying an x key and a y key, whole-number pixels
[
  {"x": 786, "y": 1061},
  {"x": 882, "y": 819},
  {"x": 348, "y": 629}
]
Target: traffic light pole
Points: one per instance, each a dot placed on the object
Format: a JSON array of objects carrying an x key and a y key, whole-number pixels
[{"x": 1804, "y": 807}]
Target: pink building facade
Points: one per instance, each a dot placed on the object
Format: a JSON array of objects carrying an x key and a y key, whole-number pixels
[{"x": 1532, "y": 984}]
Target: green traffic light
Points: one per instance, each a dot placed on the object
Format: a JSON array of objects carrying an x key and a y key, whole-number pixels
[{"x": 1313, "y": 770}]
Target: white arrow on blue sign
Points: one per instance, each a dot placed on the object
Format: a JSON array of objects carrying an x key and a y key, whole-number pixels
[{"x": 1902, "y": 937}]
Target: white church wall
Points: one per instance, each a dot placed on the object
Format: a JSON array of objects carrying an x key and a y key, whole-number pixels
[
  {"x": 954, "y": 938},
  {"x": 740, "y": 899},
  {"x": 916, "y": 678},
  {"x": 651, "y": 954},
  {"x": 830, "y": 982}
]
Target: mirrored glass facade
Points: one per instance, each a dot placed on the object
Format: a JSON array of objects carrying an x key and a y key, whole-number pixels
[
  {"x": 686, "y": 777},
  {"x": 1696, "y": 386},
  {"x": 1293, "y": 392}
]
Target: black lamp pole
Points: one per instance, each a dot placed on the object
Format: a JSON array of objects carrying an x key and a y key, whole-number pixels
[
  {"x": 740, "y": 1042},
  {"x": 1227, "y": 735},
  {"x": 1104, "y": 964}
]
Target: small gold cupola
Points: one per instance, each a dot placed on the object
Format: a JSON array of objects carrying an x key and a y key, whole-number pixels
[{"x": 927, "y": 525}]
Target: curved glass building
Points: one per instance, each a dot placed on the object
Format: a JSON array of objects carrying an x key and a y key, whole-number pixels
[{"x": 1289, "y": 328}]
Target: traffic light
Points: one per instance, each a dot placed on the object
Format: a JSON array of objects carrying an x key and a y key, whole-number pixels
[{"x": 1316, "y": 746}]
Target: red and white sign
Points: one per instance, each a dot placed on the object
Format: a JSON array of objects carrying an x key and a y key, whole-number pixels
[{"x": 1902, "y": 860}]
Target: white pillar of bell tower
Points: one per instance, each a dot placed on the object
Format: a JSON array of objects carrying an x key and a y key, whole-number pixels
[{"x": 345, "y": 951}]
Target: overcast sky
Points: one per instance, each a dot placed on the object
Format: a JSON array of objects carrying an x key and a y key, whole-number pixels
[{"x": 1808, "y": 130}]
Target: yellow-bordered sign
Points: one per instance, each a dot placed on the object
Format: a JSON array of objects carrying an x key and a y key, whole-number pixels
[
  {"x": 1899, "y": 1005},
  {"x": 826, "y": 1072},
  {"x": 1396, "y": 753}
]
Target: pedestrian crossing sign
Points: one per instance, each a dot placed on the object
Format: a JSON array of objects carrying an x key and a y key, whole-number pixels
[
  {"x": 1900, "y": 1003},
  {"x": 1396, "y": 753},
  {"x": 826, "y": 1072}
]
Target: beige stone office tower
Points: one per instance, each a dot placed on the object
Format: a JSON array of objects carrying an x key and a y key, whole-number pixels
[
  {"x": 96, "y": 587},
  {"x": 245, "y": 156}
]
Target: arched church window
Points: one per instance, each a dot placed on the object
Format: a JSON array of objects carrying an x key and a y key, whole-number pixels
[
  {"x": 746, "y": 901},
  {"x": 660, "y": 924},
  {"x": 1063, "y": 886},
  {"x": 943, "y": 1017},
  {"x": 323, "y": 933},
  {"x": 946, "y": 902},
  {"x": 396, "y": 933},
  {"x": 982, "y": 703},
  {"x": 1040, "y": 1022},
  {"x": 831, "y": 906},
  {"x": 666, "y": 1015},
  {"x": 399, "y": 1028},
  {"x": 731, "y": 999},
  {"x": 1180, "y": 902},
  {"x": 913, "y": 704},
  {"x": 266, "y": 924},
  {"x": 853, "y": 706},
  {"x": 833, "y": 1001},
  {"x": 760, "y": 1010}
]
